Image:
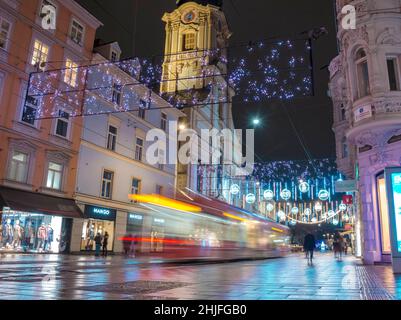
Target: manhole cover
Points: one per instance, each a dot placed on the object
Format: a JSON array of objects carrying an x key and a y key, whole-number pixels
[{"x": 136, "y": 287}]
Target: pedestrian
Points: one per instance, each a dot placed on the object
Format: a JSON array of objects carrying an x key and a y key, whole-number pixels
[
  {"x": 98, "y": 244},
  {"x": 338, "y": 246},
  {"x": 309, "y": 247},
  {"x": 105, "y": 243},
  {"x": 127, "y": 243}
]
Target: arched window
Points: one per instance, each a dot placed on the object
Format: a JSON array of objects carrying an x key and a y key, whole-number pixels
[
  {"x": 362, "y": 71},
  {"x": 344, "y": 148},
  {"x": 343, "y": 116},
  {"x": 188, "y": 41}
]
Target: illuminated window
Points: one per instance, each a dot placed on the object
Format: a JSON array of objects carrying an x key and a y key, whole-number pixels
[
  {"x": 18, "y": 169},
  {"x": 189, "y": 41},
  {"x": 363, "y": 85},
  {"x": 5, "y": 27},
  {"x": 107, "y": 184},
  {"x": 40, "y": 54},
  {"x": 54, "y": 176},
  {"x": 77, "y": 32},
  {"x": 71, "y": 73},
  {"x": 384, "y": 215}
]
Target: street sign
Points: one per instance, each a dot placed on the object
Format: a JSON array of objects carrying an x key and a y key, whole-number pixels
[
  {"x": 345, "y": 186},
  {"x": 347, "y": 199},
  {"x": 363, "y": 113}
]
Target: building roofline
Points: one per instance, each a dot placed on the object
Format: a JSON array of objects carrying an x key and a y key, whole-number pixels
[{"x": 82, "y": 13}]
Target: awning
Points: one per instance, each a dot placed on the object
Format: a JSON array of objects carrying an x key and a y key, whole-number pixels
[{"x": 33, "y": 202}]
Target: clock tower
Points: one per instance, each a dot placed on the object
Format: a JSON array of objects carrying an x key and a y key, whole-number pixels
[{"x": 194, "y": 33}]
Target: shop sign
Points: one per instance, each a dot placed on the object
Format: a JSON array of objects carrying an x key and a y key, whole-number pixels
[
  {"x": 158, "y": 220},
  {"x": 135, "y": 219},
  {"x": 348, "y": 199},
  {"x": 345, "y": 186},
  {"x": 100, "y": 213},
  {"x": 362, "y": 113}
]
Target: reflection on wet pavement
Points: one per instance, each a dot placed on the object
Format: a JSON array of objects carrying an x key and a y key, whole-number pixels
[{"x": 28, "y": 277}]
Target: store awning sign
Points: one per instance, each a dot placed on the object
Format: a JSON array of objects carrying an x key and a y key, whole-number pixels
[
  {"x": 345, "y": 186},
  {"x": 100, "y": 213}
]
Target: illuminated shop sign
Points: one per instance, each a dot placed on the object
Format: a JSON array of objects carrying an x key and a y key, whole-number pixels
[
  {"x": 135, "y": 216},
  {"x": 157, "y": 220},
  {"x": 100, "y": 213},
  {"x": 396, "y": 183}
]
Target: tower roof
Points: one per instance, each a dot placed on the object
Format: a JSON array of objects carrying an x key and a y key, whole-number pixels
[{"x": 217, "y": 3}]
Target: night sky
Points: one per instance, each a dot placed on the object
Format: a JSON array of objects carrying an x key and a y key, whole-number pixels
[{"x": 137, "y": 26}]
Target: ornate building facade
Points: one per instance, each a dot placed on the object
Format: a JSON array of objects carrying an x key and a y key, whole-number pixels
[
  {"x": 194, "y": 74},
  {"x": 366, "y": 92}
]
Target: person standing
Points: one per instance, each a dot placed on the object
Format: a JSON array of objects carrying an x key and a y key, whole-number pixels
[
  {"x": 98, "y": 244},
  {"x": 309, "y": 247},
  {"x": 105, "y": 243}
]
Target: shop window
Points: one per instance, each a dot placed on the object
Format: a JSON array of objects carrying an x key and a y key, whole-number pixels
[
  {"x": 18, "y": 169},
  {"x": 112, "y": 138},
  {"x": 54, "y": 176},
  {"x": 163, "y": 124},
  {"x": 62, "y": 124},
  {"x": 363, "y": 84},
  {"x": 77, "y": 32},
  {"x": 136, "y": 186},
  {"x": 393, "y": 74},
  {"x": 139, "y": 149},
  {"x": 5, "y": 28},
  {"x": 40, "y": 54},
  {"x": 34, "y": 233},
  {"x": 107, "y": 184},
  {"x": 71, "y": 73},
  {"x": 91, "y": 228},
  {"x": 384, "y": 215},
  {"x": 30, "y": 110}
]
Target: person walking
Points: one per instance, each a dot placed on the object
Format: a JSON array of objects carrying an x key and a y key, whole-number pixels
[
  {"x": 98, "y": 244},
  {"x": 309, "y": 247},
  {"x": 338, "y": 246},
  {"x": 105, "y": 243}
]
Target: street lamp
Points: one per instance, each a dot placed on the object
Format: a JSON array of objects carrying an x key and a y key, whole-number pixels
[{"x": 256, "y": 121}]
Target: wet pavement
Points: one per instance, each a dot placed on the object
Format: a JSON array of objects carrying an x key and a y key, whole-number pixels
[{"x": 49, "y": 277}]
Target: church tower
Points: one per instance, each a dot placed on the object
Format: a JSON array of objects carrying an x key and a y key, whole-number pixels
[{"x": 196, "y": 39}]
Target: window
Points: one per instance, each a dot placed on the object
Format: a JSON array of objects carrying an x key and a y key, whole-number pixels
[
  {"x": 117, "y": 89},
  {"x": 62, "y": 124},
  {"x": 363, "y": 85},
  {"x": 343, "y": 116},
  {"x": 30, "y": 110},
  {"x": 344, "y": 150},
  {"x": 141, "y": 113},
  {"x": 114, "y": 56},
  {"x": 107, "y": 184},
  {"x": 40, "y": 54},
  {"x": 54, "y": 176},
  {"x": 393, "y": 74},
  {"x": 159, "y": 189},
  {"x": 71, "y": 73},
  {"x": 188, "y": 42},
  {"x": 163, "y": 124},
  {"x": 5, "y": 27},
  {"x": 18, "y": 170},
  {"x": 112, "y": 138},
  {"x": 139, "y": 149},
  {"x": 77, "y": 32},
  {"x": 136, "y": 186}
]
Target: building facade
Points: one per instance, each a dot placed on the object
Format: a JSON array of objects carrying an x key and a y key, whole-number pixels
[
  {"x": 194, "y": 75},
  {"x": 39, "y": 157},
  {"x": 113, "y": 161},
  {"x": 366, "y": 93}
]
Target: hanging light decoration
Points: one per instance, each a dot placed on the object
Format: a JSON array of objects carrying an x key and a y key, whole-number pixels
[
  {"x": 270, "y": 207},
  {"x": 307, "y": 212},
  {"x": 342, "y": 207},
  {"x": 268, "y": 195},
  {"x": 285, "y": 194},
  {"x": 250, "y": 198},
  {"x": 295, "y": 210},
  {"x": 235, "y": 189},
  {"x": 318, "y": 206}
]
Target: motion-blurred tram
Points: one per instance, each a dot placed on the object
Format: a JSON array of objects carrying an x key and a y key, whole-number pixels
[{"x": 199, "y": 227}]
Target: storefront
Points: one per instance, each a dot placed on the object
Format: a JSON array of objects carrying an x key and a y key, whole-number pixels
[
  {"x": 98, "y": 220},
  {"x": 34, "y": 222}
]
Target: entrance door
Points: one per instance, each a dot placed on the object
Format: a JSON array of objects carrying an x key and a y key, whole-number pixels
[{"x": 383, "y": 214}]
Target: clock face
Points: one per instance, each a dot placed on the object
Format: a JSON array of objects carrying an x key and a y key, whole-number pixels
[{"x": 189, "y": 16}]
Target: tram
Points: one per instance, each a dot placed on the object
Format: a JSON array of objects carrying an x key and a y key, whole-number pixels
[{"x": 199, "y": 227}]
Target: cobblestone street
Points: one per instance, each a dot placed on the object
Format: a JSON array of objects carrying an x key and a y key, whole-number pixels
[{"x": 87, "y": 278}]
